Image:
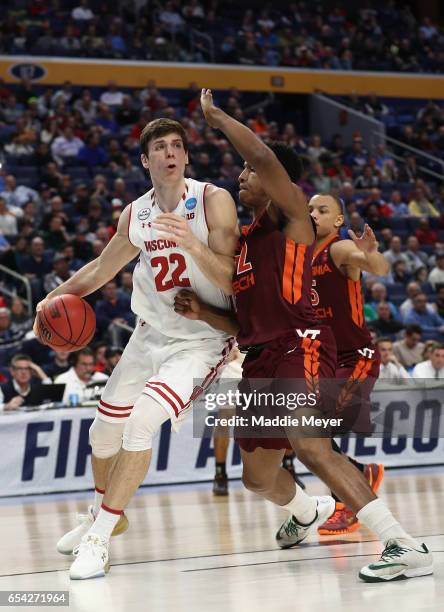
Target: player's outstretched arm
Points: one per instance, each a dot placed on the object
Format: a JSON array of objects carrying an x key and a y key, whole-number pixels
[
  {"x": 117, "y": 253},
  {"x": 215, "y": 260},
  {"x": 360, "y": 253},
  {"x": 287, "y": 196},
  {"x": 188, "y": 305}
]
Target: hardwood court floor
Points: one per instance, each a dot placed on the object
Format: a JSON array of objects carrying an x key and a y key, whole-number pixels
[{"x": 186, "y": 551}]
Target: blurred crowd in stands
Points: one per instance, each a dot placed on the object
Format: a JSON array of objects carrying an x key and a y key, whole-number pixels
[
  {"x": 70, "y": 164},
  {"x": 381, "y": 36}
]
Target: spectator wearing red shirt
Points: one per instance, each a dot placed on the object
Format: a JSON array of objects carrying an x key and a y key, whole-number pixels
[
  {"x": 375, "y": 199},
  {"x": 145, "y": 117},
  {"x": 425, "y": 234}
]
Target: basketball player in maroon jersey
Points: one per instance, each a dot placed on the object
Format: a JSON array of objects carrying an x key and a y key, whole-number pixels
[
  {"x": 271, "y": 285},
  {"x": 337, "y": 300}
]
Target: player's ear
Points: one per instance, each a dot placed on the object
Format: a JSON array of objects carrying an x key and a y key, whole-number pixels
[
  {"x": 339, "y": 221},
  {"x": 187, "y": 161},
  {"x": 144, "y": 161}
]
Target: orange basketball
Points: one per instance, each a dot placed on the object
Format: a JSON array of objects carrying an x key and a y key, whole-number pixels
[{"x": 66, "y": 323}]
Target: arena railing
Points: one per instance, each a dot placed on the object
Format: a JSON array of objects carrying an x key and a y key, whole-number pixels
[
  {"x": 195, "y": 34},
  {"x": 329, "y": 117},
  {"x": 22, "y": 279},
  {"x": 417, "y": 153}
]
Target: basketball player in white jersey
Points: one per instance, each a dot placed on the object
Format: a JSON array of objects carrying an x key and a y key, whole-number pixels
[{"x": 155, "y": 379}]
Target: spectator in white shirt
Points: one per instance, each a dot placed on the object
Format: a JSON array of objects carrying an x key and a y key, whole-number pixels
[
  {"x": 17, "y": 196},
  {"x": 170, "y": 18},
  {"x": 394, "y": 253},
  {"x": 112, "y": 96},
  {"x": 417, "y": 258},
  {"x": 432, "y": 368},
  {"x": 409, "y": 350},
  {"x": 66, "y": 147},
  {"x": 87, "y": 107},
  {"x": 82, "y": 12},
  {"x": 316, "y": 150},
  {"x": 436, "y": 276},
  {"x": 413, "y": 289},
  {"x": 79, "y": 376},
  {"x": 65, "y": 93},
  {"x": 390, "y": 368},
  {"x": 8, "y": 222}
]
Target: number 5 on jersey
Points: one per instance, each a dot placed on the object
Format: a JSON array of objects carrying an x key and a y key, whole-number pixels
[{"x": 174, "y": 263}]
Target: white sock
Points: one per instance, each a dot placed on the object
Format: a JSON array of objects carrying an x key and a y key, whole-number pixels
[
  {"x": 98, "y": 498},
  {"x": 377, "y": 517},
  {"x": 302, "y": 507},
  {"x": 104, "y": 523}
]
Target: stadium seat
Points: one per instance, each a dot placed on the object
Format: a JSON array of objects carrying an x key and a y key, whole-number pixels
[{"x": 398, "y": 223}]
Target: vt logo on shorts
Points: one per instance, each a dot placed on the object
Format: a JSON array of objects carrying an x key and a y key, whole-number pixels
[{"x": 308, "y": 333}]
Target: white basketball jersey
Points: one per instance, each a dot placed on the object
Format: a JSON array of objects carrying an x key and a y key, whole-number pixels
[{"x": 164, "y": 268}]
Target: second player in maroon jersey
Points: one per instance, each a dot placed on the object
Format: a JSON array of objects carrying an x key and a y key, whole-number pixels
[{"x": 337, "y": 300}]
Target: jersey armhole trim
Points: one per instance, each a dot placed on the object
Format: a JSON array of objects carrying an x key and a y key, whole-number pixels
[
  {"x": 129, "y": 224},
  {"x": 204, "y": 206}
]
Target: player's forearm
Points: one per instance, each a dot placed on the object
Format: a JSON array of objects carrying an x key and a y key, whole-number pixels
[
  {"x": 377, "y": 264},
  {"x": 288, "y": 197},
  {"x": 249, "y": 147},
  {"x": 217, "y": 268},
  {"x": 85, "y": 281},
  {"x": 220, "y": 319}
]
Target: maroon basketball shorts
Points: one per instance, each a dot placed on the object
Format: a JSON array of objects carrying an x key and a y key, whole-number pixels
[
  {"x": 357, "y": 371},
  {"x": 296, "y": 367}
]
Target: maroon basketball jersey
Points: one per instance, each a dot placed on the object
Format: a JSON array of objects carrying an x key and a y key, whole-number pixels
[
  {"x": 338, "y": 302},
  {"x": 271, "y": 283}
]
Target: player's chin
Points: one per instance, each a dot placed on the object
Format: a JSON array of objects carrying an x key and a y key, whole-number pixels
[
  {"x": 246, "y": 199},
  {"x": 172, "y": 174}
]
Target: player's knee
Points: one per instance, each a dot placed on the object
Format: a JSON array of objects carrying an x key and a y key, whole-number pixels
[
  {"x": 143, "y": 425},
  {"x": 255, "y": 482},
  {"x": 105, "y": 438},
  {"x": 310, "y": 454}
]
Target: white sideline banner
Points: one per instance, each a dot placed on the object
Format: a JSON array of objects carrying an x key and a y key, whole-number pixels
[{"x": 48, "y": 451}]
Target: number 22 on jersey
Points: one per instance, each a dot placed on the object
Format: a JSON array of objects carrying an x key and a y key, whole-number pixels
[{"x": 171, "y": 272}]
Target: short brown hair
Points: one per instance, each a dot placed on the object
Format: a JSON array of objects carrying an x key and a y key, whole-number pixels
[
  {"x": 161, "y": 127},
  {"x": 437, "y": 347},
  {"x": 84, "y": 351},
  {"x": 19, "y": 357}
]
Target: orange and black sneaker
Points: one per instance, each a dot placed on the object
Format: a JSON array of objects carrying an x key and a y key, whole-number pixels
[
  {"x": 374, "y": 473},
  {"x": 342, "y": 521}
]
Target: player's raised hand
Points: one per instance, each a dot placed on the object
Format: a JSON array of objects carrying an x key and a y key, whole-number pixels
[
  {"x": 187, "y": 304},
  {"x": 210, "y": 111},
  {"x": 175, "y": 228},
  {"x": 367, "y": 243}
]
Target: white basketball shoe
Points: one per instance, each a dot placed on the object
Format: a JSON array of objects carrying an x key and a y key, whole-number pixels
[
  {"x": 399, "y": 561},
  {"x": 292, "y": 533},
  {"x": 92, "y": 558},
  {"x": 70, "y": 540}
]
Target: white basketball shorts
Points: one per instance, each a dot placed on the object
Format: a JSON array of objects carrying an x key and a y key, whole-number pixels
[{"x": 171, "y": 370}]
